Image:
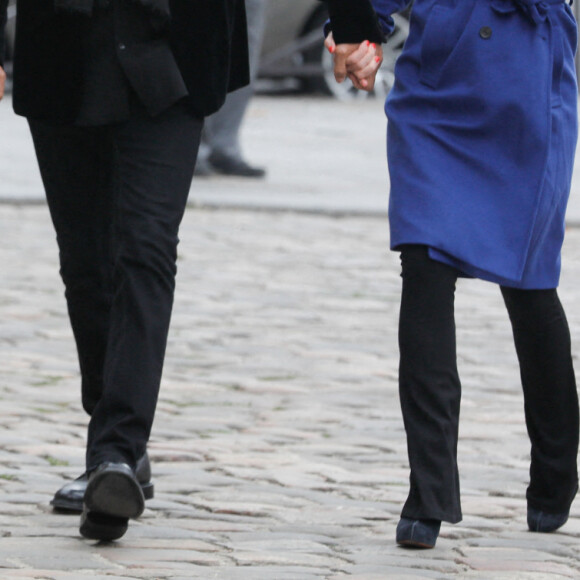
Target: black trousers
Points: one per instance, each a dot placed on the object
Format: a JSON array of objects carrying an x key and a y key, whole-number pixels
[
  {"x": 430, "y": 390},
  {"x": 117, "y": 195}
]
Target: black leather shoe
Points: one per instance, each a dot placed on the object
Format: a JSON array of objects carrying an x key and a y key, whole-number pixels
[
  {"x": 539, "y": 521},
  {"x": 69, "y": 498},
  {"x": 113, "y": 496},
  {"x": 418, "y": 533},
  {"x": 227, "y": 165}
]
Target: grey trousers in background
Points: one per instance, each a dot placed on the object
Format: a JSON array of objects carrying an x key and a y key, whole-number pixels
[{"x": 222, "y": 129}]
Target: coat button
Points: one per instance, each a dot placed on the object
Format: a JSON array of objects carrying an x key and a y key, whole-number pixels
[
  {"x": 122, "y": 46},
  {"x": 485, "y": 32}
]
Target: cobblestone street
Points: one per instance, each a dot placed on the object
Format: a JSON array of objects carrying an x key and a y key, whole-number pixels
[{"x": 278, "y": 450}]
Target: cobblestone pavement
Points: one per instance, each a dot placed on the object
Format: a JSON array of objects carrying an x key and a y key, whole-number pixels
[{"x": 278, "y": 449}]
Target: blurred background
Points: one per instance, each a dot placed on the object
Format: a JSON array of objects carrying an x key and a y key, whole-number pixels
[
  {"x": 293, "y": 54},
  {"x": 300, "y": 127},
  {"x": 293, "y": 58}
]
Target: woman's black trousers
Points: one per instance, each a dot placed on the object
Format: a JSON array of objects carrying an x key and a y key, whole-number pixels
[{"x": 430, "y": 389}]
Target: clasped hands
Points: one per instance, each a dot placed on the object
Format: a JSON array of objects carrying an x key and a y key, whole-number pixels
[{"x": 358, "y": 62}]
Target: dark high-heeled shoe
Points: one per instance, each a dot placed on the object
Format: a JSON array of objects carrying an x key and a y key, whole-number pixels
[
  {"x": 539, "y": 521},
  {"x": 418, "y": 533}
]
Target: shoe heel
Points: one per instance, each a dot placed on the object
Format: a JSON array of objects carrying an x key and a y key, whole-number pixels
[{"x": 148, "y": 490}]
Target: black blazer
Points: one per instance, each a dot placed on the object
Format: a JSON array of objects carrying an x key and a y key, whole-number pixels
[{"x": 208, "y": 39}]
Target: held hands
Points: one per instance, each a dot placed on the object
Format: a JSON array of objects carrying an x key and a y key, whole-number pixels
[
  {"x": 2, "y": 82},
  {"x": 358, "y": 62}
]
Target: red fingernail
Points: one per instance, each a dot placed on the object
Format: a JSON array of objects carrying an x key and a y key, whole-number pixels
[
  {"x": 377, "y": 59},
  {"x": 367, "y": 43},
  {"x": 331, "y": 49},
  {"x": 374, "y": 45}
]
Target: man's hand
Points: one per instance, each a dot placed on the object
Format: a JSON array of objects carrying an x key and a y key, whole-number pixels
[
  {"x": 358, "y": 62},
  {"x": 341, "y": 53},
  {"x": 2, "y": 82}
]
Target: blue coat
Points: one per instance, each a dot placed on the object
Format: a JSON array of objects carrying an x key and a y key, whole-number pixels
[{"x": 482, "y": 135}]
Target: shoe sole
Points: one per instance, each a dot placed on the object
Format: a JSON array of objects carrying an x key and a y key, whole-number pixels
[
  {"x": 76, "y": 507},
  {"x": 540, "y": 528},
  {"x": 415, "y": 544},
  {"x": 111, "y": 499},
  {"x": 114, "y": 494}
]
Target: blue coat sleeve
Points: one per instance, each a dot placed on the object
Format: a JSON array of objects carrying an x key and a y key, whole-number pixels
[
  {"x": 3, "y": 17},
  {"x": 385, "y": 9}
]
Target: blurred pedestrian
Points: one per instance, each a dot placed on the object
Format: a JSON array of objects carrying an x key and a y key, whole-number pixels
[
  {"x": 481, "y": 142},
  {"x": 220, "y": 150},
  {"x": 115, "y": 93}
]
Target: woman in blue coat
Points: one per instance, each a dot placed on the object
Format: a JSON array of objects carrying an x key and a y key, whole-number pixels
[{"x": 481, "y": 142}]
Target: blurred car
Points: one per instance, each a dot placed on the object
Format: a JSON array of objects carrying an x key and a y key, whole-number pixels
[{"x": 294, "y": 48}]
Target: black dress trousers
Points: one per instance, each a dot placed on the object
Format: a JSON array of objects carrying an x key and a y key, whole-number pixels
[
  {"x": 115, "y": 103},
  {"x": 116, "y": 182},
  {"x": 117, "y": 195}
]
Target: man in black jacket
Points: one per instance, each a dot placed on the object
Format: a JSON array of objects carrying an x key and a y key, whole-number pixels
[{"x": 115, "y": 92}]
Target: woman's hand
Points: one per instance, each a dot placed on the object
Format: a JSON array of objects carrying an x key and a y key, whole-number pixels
[
  {"x": 358, "y": 62},
  {"x": 2, "y": 82},
  {"x": 363, "y": 64}
]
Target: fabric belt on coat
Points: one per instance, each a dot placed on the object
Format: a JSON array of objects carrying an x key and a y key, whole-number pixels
[
  {"x": 538, "y": 12},
  {"x": 535, "y": 10}
]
